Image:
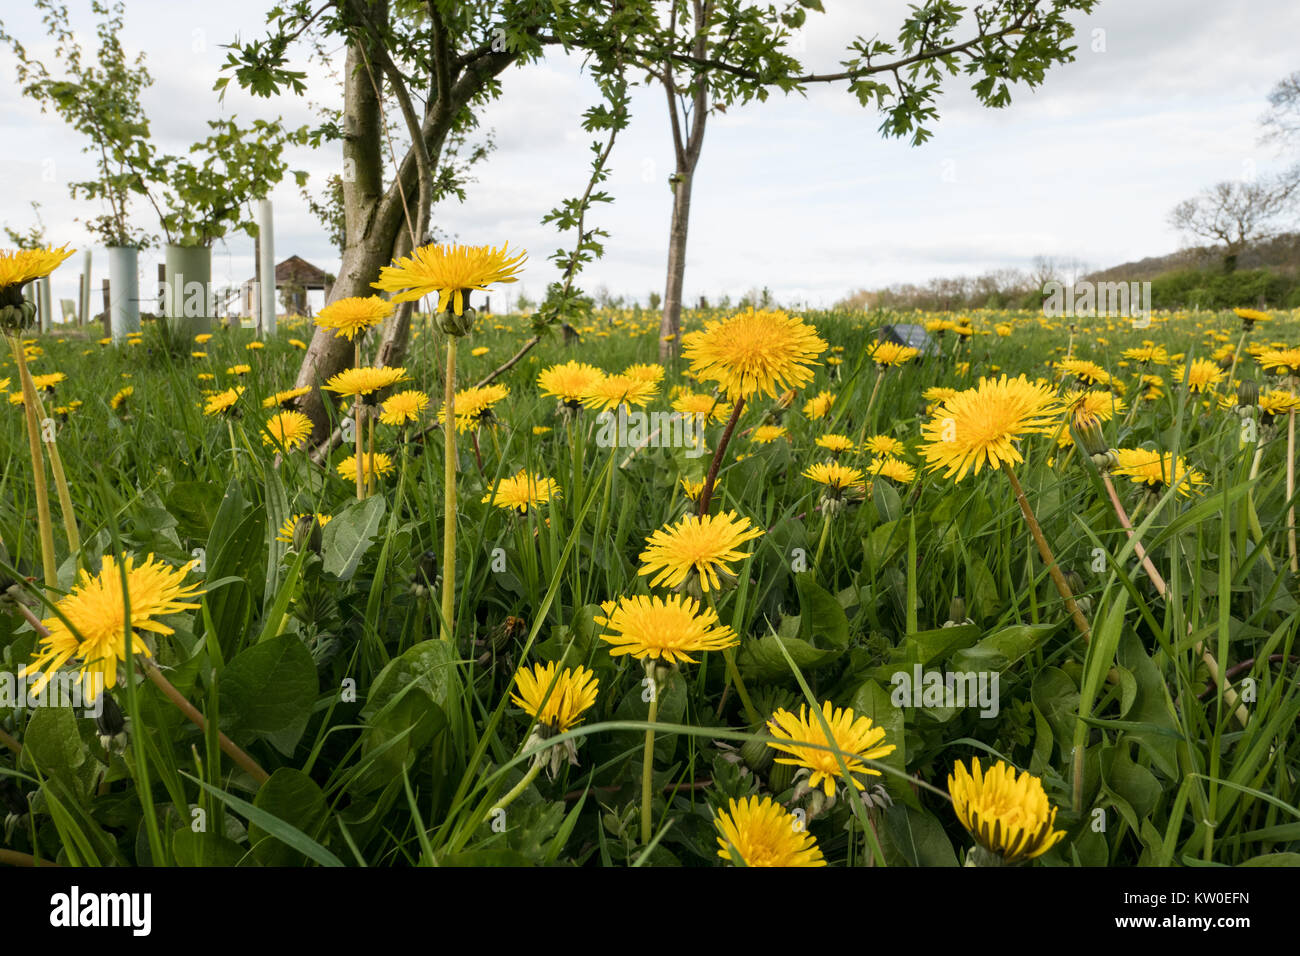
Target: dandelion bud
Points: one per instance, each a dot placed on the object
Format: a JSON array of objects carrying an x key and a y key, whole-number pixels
[
  {"x": 758, "y": 756},
  {"x": 1091, "y": 439},
  {"x": 307, "y": 534},
  {"x": 425, "y": 578},
  {"x": 454, "y": 324},
  {"x": 957, "y": 609},
  {"x": 1075, "y": 581},
  {"x": 110, "y": 722},
  {"x": 1248, "y": 394},
  {"x": 17, "y": 316},
  {"x": 781, "y": 777}
]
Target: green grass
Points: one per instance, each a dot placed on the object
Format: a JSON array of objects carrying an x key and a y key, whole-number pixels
[{"x": 387, "y": 746}]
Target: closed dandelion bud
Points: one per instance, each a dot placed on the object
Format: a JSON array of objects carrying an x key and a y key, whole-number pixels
[
  {"x": 1075, "y": 581},
  {"x": 454, "y": 324},
  {"x": 110, "y": 722},
  {"x": 426, "y": 569},
  {"x": 1091, "y": 438},
  {"x": 758, "y": 756},
  {"x": 307, "y": 534},
  {"x": 1106, "y": 462},
  {"x": 781, "y": 777},
  {"x": 957, "y": 610},
  {"x": 1248, "y": 394},
  {"x": 15, "y": 317}
]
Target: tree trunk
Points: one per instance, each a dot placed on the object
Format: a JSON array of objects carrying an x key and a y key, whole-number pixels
[
  {"x": 671, "y": 323},
  {"x": 379, "y": 223}
]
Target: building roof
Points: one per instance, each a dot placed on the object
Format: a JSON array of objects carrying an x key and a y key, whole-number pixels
[{"x": 298, "y": 271}]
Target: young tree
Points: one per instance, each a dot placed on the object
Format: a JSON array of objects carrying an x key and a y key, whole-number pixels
[
  {"x": 711, "y": 54},
  {"x": 439, "y": 61},
  {"x": 1234, "y": 214},
  {"x": 101, "y": 100}
]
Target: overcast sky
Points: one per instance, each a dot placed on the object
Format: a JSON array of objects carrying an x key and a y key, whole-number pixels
[{"x": 800, "y": 194}]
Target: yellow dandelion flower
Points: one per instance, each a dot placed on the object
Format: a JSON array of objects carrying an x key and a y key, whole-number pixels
[
  {"x": 20, "y": 266},
  {"x": 203, "y": 338},
  {"x": 698, "y": 403},
  {"x": 287, "y": 430},
  {"x": 376, "y": 464},
  {"x": 669, "y": 630},
  {"x": 352, "y": 316},
  {"x": 1085, "y": 371},
  {"x": 118, "y": 400},
  {"x": 610, "y": 391},
  {"x": 982, "y": 424},
  {"x": 754, "y": 352},
  {"x": 568, "y": 382},
  {"x": 887, "y": 354},
  {"x": 557, "y": 701},
  {"x": 285, "y": 531},
  {"x": 404, "y": 407},
  {"x": 47, "y": 381},
  {"x": 856, "y": 739},
  {"x": 819, "y": 405},
  {"x": 766, "y": 434},
  {"x": 522, "y": 491},
  {"x": 646, "y": 372},
  {"x": 1202, "y": 375},
  {"x": 479, "y": 352},
  {"x": 1280, "y": 361},
  {"x": 449, "y": 270},
  {"x": 697, "y": 548},
  {"x": 364, "y": 381},
  {"x": 1156, "y": 469},
  {"x": 94, "y": 611},
  {"x": 281, "y": 398},
  {"x": 834, "y": 476},
  {"x": 474, "y": 406},
  {"x": 835, "y": 444},
  {"x": 763, "y": 833},
  {"x": 893, "y": 469},
  {"x": 223, "y": 402},
  {"x": 1007, "y": 814},
  {"x": 886, "y": 445}
]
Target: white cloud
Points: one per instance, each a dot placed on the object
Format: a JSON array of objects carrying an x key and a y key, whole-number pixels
[{"x": 800, "y": 193}]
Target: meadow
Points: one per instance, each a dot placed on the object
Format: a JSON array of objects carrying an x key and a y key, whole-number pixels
[{"x": 295, "y": 701}]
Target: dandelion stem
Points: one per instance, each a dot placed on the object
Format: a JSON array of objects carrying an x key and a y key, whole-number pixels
[
  {"x": 10, "y": 742},
  {"x": 648, "y": 761},
  {"x": 356, "y": 417},
  {"x": 249, "y": 765},
  {"x": 14, "y": 858},
  {"x": 1290, "y": 490},
  {"x": 449, "y": 496},
  {"x": 1045, "y": 551},
  {"x": 1212, "y": 665},
  {"x": 370, "y": 454},
  {"x": 43, "y": 523},
  {"x": 61, "y": 487},
  {"x": 520, "y": 787},
  {"x": 821, "y": 542},
  {"x": 706, "y": 493}
]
